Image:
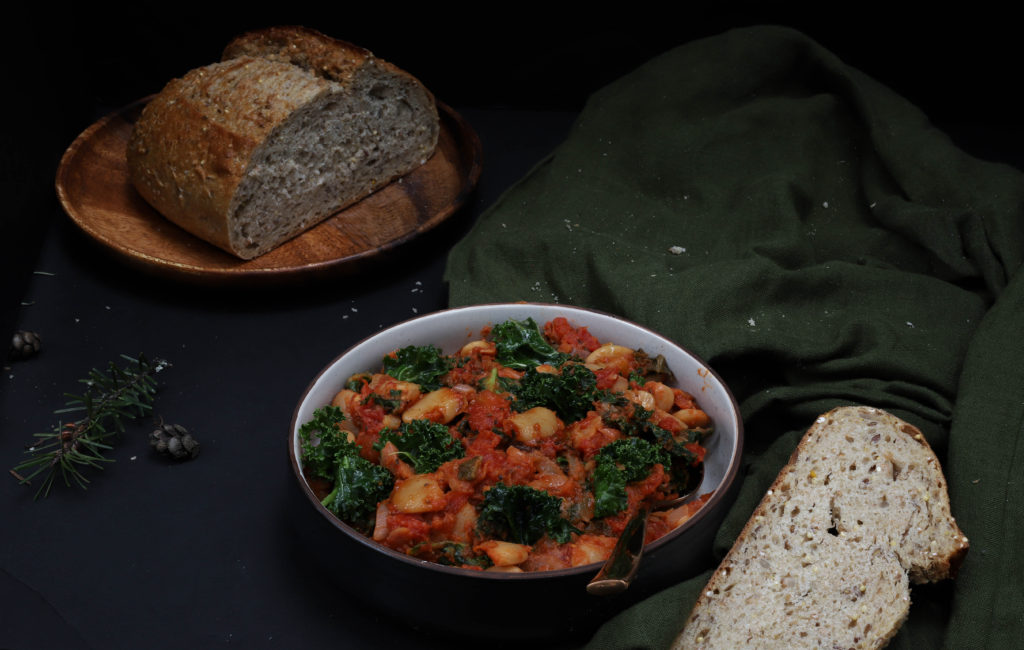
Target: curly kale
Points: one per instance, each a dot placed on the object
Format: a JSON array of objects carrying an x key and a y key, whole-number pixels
[
  {"x": 420, "y": 364},
  {"x": 327, "y": 453},
  {"x": 618, "y": 464},
  {"x": 450, "y": 554},
  {"x": 571, "y": 393},
  {"x": 522, "y": 514},
  {"x": 423, "y": 444},
  {"x": 359, "y": 486},
  {"x": 521, "y": 345},
  {"x": 323, "y": 442},
  {"x": 636, "y": 422}
]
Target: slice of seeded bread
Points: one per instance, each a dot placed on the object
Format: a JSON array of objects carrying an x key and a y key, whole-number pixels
[{"x": 859, "y": 513}]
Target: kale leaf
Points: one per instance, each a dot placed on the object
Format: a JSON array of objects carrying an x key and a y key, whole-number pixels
[
  {"x": 323, "y": 442},
  {"x": 389, "y": 405},
  {"x": 619, "y": 463},
  {"x": 422, "y": 364},
  {"x": 522, "y": 514},
  {"x": 638, "y": 424},
  {"x": 356, "y": 382},
  {"x": 520, "y": 345},
  {"x": 423, "y": 444},
  {"x": 450, "y": 554},
  {"x": 651, "y": 369},
  {"x": 570, "y": 393},
  {"x": 327, "y": 453},
  {"x": 359, "y": 486}
]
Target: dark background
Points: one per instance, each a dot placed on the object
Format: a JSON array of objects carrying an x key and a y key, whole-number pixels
[{"x": 68, "y": 66}]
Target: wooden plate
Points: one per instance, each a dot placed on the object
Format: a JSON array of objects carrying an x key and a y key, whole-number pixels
[{"x": 94, "y": 189}]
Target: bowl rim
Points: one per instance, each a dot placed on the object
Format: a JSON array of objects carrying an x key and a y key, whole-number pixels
[{"x": 705, "y": 511}]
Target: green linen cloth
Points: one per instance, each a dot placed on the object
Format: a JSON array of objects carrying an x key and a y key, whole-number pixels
[{"x": 812, "y": 236}]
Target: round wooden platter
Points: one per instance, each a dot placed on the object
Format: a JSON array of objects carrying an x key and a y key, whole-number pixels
[{"x": 94, "y": 189}]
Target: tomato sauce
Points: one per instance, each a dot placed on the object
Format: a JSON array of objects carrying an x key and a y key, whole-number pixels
[{"x": 572, "y": 340}]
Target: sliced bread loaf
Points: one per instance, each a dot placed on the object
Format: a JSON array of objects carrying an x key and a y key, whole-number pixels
[
  {"x": 251, "y": 151},
  {"x": 859, "y": 513}
]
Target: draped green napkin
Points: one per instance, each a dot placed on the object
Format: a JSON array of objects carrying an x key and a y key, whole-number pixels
[{"x": 813, "y": 237}]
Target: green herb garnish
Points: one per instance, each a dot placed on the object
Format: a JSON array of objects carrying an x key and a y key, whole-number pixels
[{"x": 110, "y": 398}]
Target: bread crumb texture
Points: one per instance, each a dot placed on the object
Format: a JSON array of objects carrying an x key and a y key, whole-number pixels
[{"x": 859, "y": 513}]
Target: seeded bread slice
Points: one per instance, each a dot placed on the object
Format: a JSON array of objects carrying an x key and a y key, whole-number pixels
[
  {"x": 251, "y": 151},
  {"x": 859, "y": 513}
]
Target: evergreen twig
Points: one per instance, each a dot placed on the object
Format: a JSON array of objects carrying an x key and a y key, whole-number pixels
[{"x": 108, "y": 400}]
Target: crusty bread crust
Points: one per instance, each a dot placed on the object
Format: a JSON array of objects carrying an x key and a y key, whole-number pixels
[
  {"x": 290, "y": 128},
  {"x": 859, "y": 513},
  {"x": 306, "y": 48}
]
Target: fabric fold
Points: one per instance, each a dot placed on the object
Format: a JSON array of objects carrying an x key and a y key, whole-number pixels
[{"x": 810, "y": 234}]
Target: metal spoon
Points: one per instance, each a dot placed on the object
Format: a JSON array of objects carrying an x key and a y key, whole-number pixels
[{"x": 620, "y": 567}]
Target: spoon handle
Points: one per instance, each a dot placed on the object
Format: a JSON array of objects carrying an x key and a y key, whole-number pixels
[{"x": 620, "y": 567}]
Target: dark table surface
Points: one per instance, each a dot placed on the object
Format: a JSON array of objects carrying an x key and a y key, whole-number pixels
[{"x": 201, "y": 554}]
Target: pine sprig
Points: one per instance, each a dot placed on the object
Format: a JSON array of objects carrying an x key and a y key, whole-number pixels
[{"x": 110, "y": 398}]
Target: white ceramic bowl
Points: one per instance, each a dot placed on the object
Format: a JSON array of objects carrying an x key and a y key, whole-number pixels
[{"x": 682, "y": 552}]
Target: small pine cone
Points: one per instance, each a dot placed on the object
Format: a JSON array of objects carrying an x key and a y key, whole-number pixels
[
  {"x": 175, "y": 441},
  {"x": 24, "y": 344}
]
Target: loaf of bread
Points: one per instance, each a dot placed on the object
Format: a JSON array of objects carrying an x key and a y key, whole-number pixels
[
  {"x": 859, "y": 513},
  {"x": 290, "y": 127}
]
